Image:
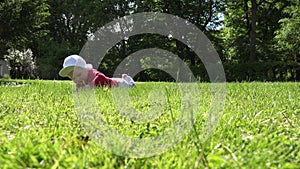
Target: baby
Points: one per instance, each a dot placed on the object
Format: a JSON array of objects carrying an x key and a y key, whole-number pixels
[{"x": 83, "y": 74}]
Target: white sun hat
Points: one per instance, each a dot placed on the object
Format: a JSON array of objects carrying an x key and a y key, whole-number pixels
[{"x": 73, "y": 61}]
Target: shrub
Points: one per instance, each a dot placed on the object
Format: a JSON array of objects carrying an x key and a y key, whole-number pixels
[
  {"x": 21, "y": 63},
  {"x": 257, "y": 71}
]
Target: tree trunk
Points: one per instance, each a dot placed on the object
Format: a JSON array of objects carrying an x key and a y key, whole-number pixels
[{"x": 252, "y": 56}]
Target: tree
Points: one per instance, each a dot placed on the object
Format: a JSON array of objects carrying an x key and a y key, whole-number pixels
[
  {"x": 203, "y": 14},
  {"x": 236, "y": 31},
  {"x": 288, "y": 36},
  {"x": 21, "y": 22},
  {"x": 250, "y": 27},
  {"x": 70, "y": 24},
  {"x": 252, "y": 55}
]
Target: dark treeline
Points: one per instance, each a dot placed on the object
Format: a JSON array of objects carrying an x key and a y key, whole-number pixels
[{"x": 255, "y": 39}]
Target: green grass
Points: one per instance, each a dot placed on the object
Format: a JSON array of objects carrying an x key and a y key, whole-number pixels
[{"x": 259, "y": 128}]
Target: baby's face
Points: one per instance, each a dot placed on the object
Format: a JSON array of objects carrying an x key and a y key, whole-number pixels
[{"x": 79, "y": 75}]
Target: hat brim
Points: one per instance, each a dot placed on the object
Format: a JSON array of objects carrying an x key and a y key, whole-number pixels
[{"x": 64, "y": 72}]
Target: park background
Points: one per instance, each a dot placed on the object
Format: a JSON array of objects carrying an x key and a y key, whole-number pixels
[{"x": 257, "y": 40}]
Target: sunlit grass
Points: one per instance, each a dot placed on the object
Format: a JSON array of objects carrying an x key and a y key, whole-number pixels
[{"x": 259, "y": 128}]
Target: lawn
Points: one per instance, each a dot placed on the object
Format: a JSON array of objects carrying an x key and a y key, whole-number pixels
[{"x": 41, "y": 127}]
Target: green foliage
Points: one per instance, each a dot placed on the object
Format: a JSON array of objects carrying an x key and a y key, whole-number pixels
[
  {"x": 154, "y": 75},
  {"x": 6, "y": 77},
  {"x": 22, "y": 22},
  {"x": 72, "y": 21},
  {"x": 53, "y": 29},
  {"x": 288, "y": 35},
  {"x": 263, "y": 71},
  {"x": 256, "y": 71},
  {"x": 235, "y": 32},
  {"x": 51, "y": 54},
  {"x": 70, "y": 24},
  {"x": 40, "y": 129},
  {"x": 235, "y": 72},
  {"x": 237, "y": 28}
]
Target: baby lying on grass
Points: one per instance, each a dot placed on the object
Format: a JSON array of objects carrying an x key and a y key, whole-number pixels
[{"x": 83, "y": 74}]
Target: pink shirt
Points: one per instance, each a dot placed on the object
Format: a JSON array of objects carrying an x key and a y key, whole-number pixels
[{"x": 96, "y": 78}]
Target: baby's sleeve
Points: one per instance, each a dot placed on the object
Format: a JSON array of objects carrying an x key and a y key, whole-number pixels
[{"x": 102, "y": 80}]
